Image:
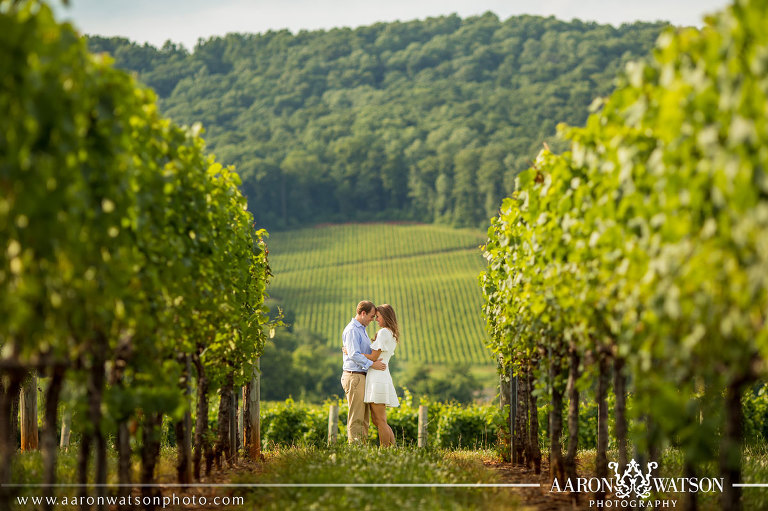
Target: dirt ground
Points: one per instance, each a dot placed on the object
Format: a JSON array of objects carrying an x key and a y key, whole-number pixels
[
  {"x": 539, "y": 499},
  {"x": 225, "y": 475}
]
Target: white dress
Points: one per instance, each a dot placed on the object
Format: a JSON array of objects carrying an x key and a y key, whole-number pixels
[{"x": 378, "y": 384}]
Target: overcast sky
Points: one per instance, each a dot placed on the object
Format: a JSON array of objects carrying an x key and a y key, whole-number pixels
[{"x": 185, "y": 21}]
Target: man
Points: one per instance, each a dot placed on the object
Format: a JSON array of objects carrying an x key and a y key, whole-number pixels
[{"x": 355, "y": 367}]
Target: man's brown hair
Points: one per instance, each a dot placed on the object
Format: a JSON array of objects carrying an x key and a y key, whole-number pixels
[{"x": 365, "y": 306}]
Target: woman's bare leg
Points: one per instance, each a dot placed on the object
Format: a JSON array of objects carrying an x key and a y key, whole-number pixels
[{"x": 379, "y": 416}]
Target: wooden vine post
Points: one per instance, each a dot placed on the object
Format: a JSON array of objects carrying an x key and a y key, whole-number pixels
[
  {"x": 29, "y": 432},
  {"x": 253, "y": 426},
  {"x": 66, "y": 430},
  {"x": 512, "y": 415},
  {"x": 504, "y": 400},
  {"x": 422, "y": 426},
  {"x": 333, "y": 424},
  {"x": 241, "y": 416}
]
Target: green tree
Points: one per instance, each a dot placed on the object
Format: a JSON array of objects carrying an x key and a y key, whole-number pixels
[{"x": 374, "y": 110}]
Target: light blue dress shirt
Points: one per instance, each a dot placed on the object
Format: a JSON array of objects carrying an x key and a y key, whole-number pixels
[{"x": 356, "y": 341}]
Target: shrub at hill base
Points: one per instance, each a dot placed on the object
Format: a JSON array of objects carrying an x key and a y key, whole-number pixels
[
  {"x": 290, "y": 423},
  {"x": 452, "y": 425},
  {"x": 473, "y": 427},
  {"x": 449, "y": 425}
]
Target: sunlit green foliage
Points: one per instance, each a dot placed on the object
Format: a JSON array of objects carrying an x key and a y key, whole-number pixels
[
  {"x": 123, "y": 245},
  {"x": 649, "y": 237}
]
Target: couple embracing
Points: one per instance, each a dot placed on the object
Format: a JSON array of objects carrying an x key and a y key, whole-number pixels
[{"x": 366, "y": 379}]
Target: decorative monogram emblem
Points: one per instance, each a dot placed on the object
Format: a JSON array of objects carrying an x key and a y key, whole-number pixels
[{"x": 633, "y": 481}]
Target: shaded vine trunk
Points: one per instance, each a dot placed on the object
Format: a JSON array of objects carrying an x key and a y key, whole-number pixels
[
  {"x": 620, "y": 410},
  {"x": 124, "y": 459},
  {"x": 573, "y": 418},
  {"x": 11, "y": 386},
  {"x": 233, "y": 426},
  {"x": 183, "y": 429},
  {"x": 83, "y": 457},
  {"x": 48, "y": 441},
  {"x": 533, "y": 431},
  {"x": 123, "y": 441},
  {"x": 601, "y": 461},
  {"x": 150, "y": 453},
  {"x": 731, "y": 447},
  {"x": 690, "y": 500},
  {"x": 654, "y": 444},
  {"x": 223, "y": 445},
  {"x": 124, "y": 455},
  {"x": 556, "y": 468},
  {"x": 210, "y": 455},
  {"x": 522, "y": 412},
  {"x": 245, "y": 427},
  {"x": 96, "y": 381},
  {"x": 521, "y": 421},
  {"x": 15, "y": 413},
  {"x": 201, "y": 422}
]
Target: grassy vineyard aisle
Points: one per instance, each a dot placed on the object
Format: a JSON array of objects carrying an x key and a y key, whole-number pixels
[
  {"x": 366, "y": 465},
  {"x": 428, "y": 273},
  {"x": 330, "y": 465}
]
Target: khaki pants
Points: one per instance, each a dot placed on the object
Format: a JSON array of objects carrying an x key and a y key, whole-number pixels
[{"x": 359, "y": 412}]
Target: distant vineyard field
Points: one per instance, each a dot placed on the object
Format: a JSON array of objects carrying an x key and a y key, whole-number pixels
[{"x": 428, "y": 273}]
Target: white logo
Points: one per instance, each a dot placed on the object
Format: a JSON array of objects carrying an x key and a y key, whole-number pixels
[
  {"x": 633, "y": 488},
  {"x": 633, "y": 481}
]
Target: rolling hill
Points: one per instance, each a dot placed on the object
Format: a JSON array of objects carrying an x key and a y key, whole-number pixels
[{"x": 427, "y": 273}]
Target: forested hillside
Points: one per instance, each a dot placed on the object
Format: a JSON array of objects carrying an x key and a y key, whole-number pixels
[{"x": 424, "y": 120}]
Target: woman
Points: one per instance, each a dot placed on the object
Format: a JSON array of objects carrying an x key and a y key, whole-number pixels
[{"x": 379, "y": 389}]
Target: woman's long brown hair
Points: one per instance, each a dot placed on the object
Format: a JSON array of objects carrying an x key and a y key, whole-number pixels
[{"x": 388, "y": 319}]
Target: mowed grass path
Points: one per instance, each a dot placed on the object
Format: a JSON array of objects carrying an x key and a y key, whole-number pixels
[{"x": 428, "y": 273}]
